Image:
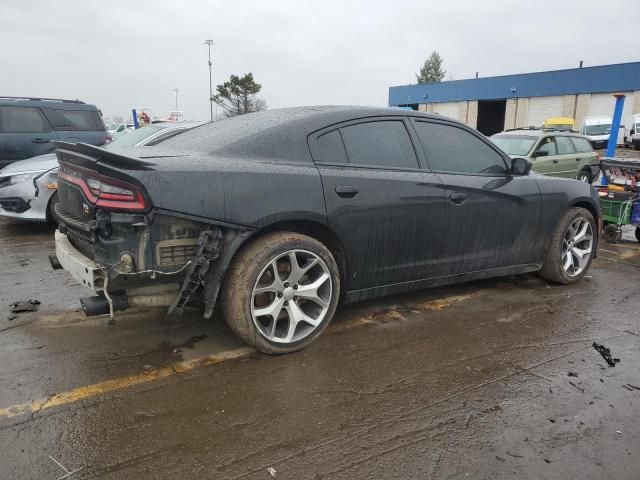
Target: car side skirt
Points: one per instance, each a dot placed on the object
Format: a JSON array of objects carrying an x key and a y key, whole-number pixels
[{"x": 384, "y": 290}]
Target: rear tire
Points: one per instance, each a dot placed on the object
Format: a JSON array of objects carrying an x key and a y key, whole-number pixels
[
  {"x": 636, "y": 144},
  {"x": 571, "y": 248},
  {"x": 264, "y": 299},
  {"x": 611, "y": 233}
]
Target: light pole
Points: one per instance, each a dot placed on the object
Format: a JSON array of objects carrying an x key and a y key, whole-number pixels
[
  {"x": 208, "y": 43},
  {"x": 176, "y": 90}
]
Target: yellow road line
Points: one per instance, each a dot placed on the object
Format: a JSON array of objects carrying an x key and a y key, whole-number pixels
[
  {"x": 81, "y": 393},
  {"x": 107, "y": 386}
]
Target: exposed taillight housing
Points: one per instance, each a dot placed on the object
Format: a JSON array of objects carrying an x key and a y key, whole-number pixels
[{"x": 103, "y": 191}]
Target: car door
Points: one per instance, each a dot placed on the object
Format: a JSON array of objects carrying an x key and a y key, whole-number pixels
[
  {"x": 24, "y": 133},
  {"x": 568, "y": 158},
  {"x": 388, "y": 211},
  {"x": 545, "y": 157},
  {"x": 584, "y": 152},
  {"x": 492, "y": 215}
]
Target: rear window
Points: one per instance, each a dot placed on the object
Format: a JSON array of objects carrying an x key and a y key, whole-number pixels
[
  {"x": 22, "y": 120},
  {"x": 71, "y": 120},
  {"x": 582, "y": 145}
]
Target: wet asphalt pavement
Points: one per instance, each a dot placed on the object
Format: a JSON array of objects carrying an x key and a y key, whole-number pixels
[{"x": 457, "y": 382}]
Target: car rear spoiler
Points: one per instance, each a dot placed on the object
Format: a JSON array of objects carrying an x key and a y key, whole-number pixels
[{"x": 90, "y": 154}]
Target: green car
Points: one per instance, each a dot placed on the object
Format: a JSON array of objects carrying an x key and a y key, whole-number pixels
[{"x": 556, "y": 153}]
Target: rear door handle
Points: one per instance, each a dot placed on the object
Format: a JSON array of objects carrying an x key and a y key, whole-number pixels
[
  {"x": 347, "y": 191},
  {"x": 40, "y": 140},
  {"x": 457, "y": 197}
]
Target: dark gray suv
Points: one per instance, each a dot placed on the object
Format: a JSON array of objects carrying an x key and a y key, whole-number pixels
[{"x": 28, "y": 126}]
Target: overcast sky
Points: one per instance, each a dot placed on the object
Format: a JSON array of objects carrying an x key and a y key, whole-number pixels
[{"x": 122, "y": 54}]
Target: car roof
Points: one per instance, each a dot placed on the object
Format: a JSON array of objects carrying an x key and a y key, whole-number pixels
[
  {"x": 537, "y": 132},
  {"x": 55, "y": 103}
]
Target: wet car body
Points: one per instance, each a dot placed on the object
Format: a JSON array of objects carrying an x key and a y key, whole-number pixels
[{"x": 197, "y": 199}]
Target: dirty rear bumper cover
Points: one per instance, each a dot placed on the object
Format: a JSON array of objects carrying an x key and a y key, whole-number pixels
[{"x": 81, "y": 268}]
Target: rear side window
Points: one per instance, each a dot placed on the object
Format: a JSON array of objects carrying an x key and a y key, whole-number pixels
[
  {"x": 71, "y": 120},
  {"x": 22, "y": 120},
  {"x": 381, "y": 144},
  {"x": 452, "y": 149},
  {"x": 582, "y": 145},
  {"x": 564, "y": 145},
  {"x": 331, "y": 148}
]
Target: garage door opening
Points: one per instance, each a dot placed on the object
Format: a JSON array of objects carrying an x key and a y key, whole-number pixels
[{"x": 491, "y": 116}]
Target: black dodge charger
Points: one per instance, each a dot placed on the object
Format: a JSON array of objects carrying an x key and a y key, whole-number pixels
[{"x": 278, "y": 215}]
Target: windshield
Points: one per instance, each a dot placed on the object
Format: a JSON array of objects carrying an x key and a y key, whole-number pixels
[
  {"x": 514, "y": 144},
  {"x": 602, "y": 129},
  {"x": 134, "y": 137}
]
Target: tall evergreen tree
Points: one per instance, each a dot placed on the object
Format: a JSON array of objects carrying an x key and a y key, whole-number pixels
[{"x": 431, "y": 71}]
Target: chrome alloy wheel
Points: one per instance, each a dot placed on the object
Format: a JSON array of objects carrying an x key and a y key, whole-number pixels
[
  {"x": 577, "y": 246},
  {"x": 291, "y": 297}
]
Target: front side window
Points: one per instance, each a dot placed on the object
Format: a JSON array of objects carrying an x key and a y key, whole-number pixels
[
  {"x": 564, "y": 145},
  {"x": 22, "y": 120},
  {"x": 547, "y": 145},
  {"x": 452, "y": 149},
  {"x": 381, "y": 144}
]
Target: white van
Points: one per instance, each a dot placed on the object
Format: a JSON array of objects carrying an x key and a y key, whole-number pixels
[
  {"x": 597, "y": 129},
  {"x": 632, "y": 138}
]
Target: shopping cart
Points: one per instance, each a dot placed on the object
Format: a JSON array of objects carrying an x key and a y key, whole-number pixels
[{"x": 619, "y": 192}]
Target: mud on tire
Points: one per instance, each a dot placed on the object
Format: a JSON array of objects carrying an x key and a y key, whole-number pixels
[
  {"x": 254, "y": 270},
  {"x": 553, "y": 268}
]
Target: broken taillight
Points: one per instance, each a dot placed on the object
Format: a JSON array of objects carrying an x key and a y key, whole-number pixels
[{"x": 103, "y": 191}]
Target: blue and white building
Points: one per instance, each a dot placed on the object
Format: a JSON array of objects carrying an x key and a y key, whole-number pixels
[{"x": 493, "y": 104}]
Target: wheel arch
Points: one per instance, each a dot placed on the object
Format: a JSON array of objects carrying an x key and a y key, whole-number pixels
[
  {"x": 315, "y": 230},
  {"x": 588, "y": 206}
]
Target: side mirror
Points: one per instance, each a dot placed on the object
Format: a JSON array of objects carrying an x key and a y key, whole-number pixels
[
  {"x": 540, "y": 153},
  {"x": 520, "y": 166}
]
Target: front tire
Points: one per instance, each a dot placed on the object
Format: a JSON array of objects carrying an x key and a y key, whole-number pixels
[
  {"x": 571, "y": 249},
  {"x": 281, "y": 292},
  {"x": 585, "y": 176}
]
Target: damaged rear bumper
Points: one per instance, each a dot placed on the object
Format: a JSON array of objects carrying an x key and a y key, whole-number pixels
[{"x": 82, "y": 269}]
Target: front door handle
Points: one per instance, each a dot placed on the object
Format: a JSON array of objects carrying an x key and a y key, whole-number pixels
[
  {"x": 457, "y": 197},
  {"x": 347, "y": 191},
  {"x": 40, "y": 140}
]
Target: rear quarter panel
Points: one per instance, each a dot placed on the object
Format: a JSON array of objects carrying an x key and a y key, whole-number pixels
[{"x": 243, "y": 192}]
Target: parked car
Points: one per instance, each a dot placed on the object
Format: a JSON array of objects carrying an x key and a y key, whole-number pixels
[
  {"x": 120, "y": 129},
  {"x": 285, "y": 212},
  {"x": 28, "y": 187},
  {"x": 598, "y": 130},
  {"x": 29, "y": 126},
  {"x": 633, "y": 127},
  {"x": 556, "y": 153}
]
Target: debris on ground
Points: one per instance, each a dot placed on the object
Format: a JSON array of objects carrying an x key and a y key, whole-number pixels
[
  {"x": 633, "y": 386},
  {"x": 514, "y": 454},
  {"x": 606, "y": 354},
  {"x": 573, "y": 374},
  {"x": 546, "y": 460},
  {"x": 22, "y": 306},
  {"x": 12, "y": 316},
  {"x": 272, "y": 471},
  {"x": 500, "y": 458},
  {"x": 579, "y": 388},
  {"x": 24, "y": 263}
]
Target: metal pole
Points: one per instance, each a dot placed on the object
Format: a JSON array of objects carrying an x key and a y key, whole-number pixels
[
  {"x": 176, "y": 90},
  {"x": 208, "y": 43},
  {"x": 615, "y": 125}
]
